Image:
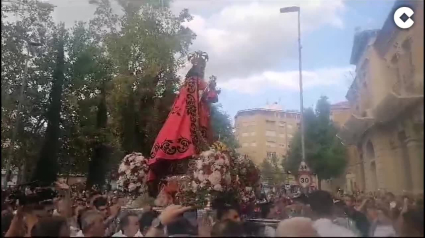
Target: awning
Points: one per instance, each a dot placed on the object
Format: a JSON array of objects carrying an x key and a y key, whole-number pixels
[
  {"x": 393, "y": 104},
  {"x": 353, "y": 128}
]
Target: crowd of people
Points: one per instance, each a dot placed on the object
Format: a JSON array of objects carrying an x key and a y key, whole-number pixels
[{"x": 316, "y": 214}]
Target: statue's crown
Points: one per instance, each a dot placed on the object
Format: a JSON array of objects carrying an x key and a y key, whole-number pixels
[{"x": 198, "y": 58}]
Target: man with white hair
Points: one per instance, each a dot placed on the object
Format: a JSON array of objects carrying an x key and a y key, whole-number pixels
[
  {"x": 296, "y": 227},
  {"x": 92, "y": 225}
]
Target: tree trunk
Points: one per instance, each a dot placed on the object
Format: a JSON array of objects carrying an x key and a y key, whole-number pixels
[
  {"x": 47, "y": 167},
  {"x": 100, "y": 160}
]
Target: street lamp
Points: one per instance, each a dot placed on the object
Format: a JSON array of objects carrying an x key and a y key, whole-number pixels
[
  {"x": 18, "y": 113},
  {"x": 298, "y": 10}
]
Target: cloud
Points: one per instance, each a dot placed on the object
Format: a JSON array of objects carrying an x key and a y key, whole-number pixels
[
  {"x": 245, "y": 38},
  {"x": 289, "y": 80}
]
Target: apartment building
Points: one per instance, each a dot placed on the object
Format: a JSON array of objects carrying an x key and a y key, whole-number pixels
[
  {"x": 265, "y": 132},
  {"x": 386, "y": 100}
]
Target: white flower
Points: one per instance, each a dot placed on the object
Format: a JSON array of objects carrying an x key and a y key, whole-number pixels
[
  {"x": 218, "y": 187},
  {"x": 199, "y": 164},
  {"x": 226, "y": 161},
  {"x": 131, "y": 187},
  {"x": 140, "y": 158},
  {"x": 201, "y": 176},
  {"x": 128, "y": 171},
  {"x": 122, "y": 168},
  {"x": 194, "y": 186},
  {"x": 215, "y": 178},
  {"x": 132, "y": 165},
  {"x": 207, "y": 153},
  {"x": 248, "y": 189},
  {"x": 195, "y": 174},
  {"x": 220, "y": 161}
]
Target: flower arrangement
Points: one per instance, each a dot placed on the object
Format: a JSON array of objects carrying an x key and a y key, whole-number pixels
[
  {"x": 247, "y": 179},
  {"x": 210, "y": 175},
  {"x": 132, "y": 174},
  {"x": 248, "y": 173}
]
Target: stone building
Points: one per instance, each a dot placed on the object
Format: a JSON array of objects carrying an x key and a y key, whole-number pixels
[
  {"x": 386, "y": 101},
  {"x": 265, "y": 132}
]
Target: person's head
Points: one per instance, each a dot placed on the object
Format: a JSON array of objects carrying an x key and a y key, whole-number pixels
[
  {"x": 130, "y": 224},
  {"x": 228, "y": 213},
  {"x": 92, "y": 224},
  {"x": 80, "y": 216},
  {"x": 146, "y": 221},
  {"x": 100, "y": 204},
  {"x": 227, "y": 228},
  {"x": 349, "y": 200},
  {"x": 181, "y": 227},
  {"x": 321, "y": 203},
  {"x": 296, "y": 227},
  {"x": 413, "y": 223},
  {"x": 389, "y": 197},
  {"x": 93, "y": 196},
  {"x": 51, "y": 227}
]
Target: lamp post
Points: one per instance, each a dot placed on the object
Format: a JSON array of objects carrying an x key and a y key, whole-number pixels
[
  {"x": 298, "y": 10},
  {"x": 18, "y": 113}
]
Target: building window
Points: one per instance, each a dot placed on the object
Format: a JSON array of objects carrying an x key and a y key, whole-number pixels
[
  {"x": 270, "y": 144},
  {"x": 245, "y": 145},
  {"x": 270, "y": 123},
  {"x": 253, "y": 133},
  {"x": 253, "y": 144},
  {"x": 282, "y": 124},
  {"x": 271, "y": 154},
  {"x": 282, "y": 135},
  {"x": 270, "y": 133},
  {"x": 245, "y": 134}
]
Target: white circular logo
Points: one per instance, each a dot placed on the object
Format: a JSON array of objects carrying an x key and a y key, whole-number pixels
[{"x": 402, "y": 17}]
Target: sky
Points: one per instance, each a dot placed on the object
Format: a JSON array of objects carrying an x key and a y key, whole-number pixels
[{"x": 253, "y": 48}]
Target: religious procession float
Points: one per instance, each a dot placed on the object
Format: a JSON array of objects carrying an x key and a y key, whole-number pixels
[{"x": 185, "y": 166}]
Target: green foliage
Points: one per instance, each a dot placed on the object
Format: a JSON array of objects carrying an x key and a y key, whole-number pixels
[
  {"x": 325, "y": 154},
  {"x": 272, "y": 171},
  {"x": 111, "y": 95},
  {"x": 222, "y": 127}
]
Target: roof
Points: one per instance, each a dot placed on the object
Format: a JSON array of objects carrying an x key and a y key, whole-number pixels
[
  {"x": 361, "y": 40},
  {"x": 253, "y": 110},
  {"x": 341, "y": 105},
  {"x": 389, "y": 30}
]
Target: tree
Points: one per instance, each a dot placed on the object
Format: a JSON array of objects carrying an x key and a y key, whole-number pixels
[
  {"x": 222, "y": 127},
  {"x": 47, "y": 164},
  {"x": 325, "y": 154},
  {"x": 272, "y": 171}
]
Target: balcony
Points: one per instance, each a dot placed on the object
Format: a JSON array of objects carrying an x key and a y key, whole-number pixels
[
  {"x": 393, "y": 104},
  {"x": 354, "y": 128}
]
